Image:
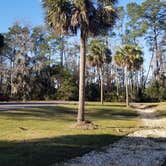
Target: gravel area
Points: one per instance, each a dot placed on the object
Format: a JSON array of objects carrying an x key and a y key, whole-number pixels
[{"x": 145, "y": 147}]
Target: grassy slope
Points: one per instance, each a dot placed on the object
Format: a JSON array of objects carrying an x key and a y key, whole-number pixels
[
  {"x": 42, "y": 136},
  {"x": 161, "y": 109}
]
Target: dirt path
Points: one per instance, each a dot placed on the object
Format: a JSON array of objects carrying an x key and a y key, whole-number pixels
[{"x": 145, "y": 147}]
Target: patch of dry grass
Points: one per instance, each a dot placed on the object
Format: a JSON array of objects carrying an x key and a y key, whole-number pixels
[{"x": 161, "y": 109}]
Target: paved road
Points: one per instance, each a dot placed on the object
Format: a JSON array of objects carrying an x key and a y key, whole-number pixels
[{"x": 31, "y": 104}]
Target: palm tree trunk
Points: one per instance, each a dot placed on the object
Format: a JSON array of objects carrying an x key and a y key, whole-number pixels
[
  {"x": 101, "y": 85},
  {"x": 126, "y": 83},
  {"x": 81, "y": 109}
]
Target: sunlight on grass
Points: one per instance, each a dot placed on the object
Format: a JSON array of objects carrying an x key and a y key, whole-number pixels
[
  {"x": 161, "y": 109},
  {"x": 34, "y": 131}
]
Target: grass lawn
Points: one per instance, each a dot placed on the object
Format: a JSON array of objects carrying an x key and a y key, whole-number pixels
[
  {"x": 42, "y": 136},
  {"x": 161, "y": 109}
]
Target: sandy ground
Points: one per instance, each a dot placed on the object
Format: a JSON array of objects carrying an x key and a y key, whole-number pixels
[{"x": 145, "y": 147}]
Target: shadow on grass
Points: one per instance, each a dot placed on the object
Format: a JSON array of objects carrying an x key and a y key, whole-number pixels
[
  {"x": 48, "y": 151},
  {"x": 151, "y": 106},
  {"x": 45, "y": 113},
  {"x": 68, "y": 113},
  {"x": 161, "y": 115},
  {"x": 153, "y": 115},
  {"x": 42, "y": 103},
  {"x": 113, "y": 114},
  {"x": 44, "y": 152},
  {"x": 137, "y": 105},
  {"x": 106, "y": 105}
]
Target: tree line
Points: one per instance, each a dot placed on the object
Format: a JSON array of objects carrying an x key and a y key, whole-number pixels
[{"x": 108, "y": 64}]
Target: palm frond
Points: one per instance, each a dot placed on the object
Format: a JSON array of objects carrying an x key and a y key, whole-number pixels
[
  {"x": 58, "y": 15},
  {"x": 130, "y": 56},
  {"x": 99, "y": 53}
]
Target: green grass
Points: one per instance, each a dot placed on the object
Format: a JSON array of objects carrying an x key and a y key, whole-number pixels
[{"x": 42, "y": 136}]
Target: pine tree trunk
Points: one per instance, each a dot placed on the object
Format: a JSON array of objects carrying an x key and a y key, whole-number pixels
[
  {"x": 156, "y": 56},
  {"x": 101, "y": 86},
  {"x": 61, "y": 54},
  {"x": 126, "y": 83},
  {"x": 117, "y": 88},
  {"x": 81, "y": 109},
  {"x": 150, "y": 64}
]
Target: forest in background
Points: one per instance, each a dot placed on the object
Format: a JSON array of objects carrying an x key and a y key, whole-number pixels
[{"x": 37, "y": 65}]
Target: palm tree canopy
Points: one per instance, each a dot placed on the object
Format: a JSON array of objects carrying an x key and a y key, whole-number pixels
[
  {"x": 92, "y": 17},
  {"x": 129, "y": 56},
  {"x": 99, "y": 53}
]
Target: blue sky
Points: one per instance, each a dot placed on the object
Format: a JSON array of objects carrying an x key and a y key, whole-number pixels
[{"x": 26, "y": 11}]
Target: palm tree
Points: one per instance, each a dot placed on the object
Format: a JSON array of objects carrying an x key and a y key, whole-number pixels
[
  {"x": 99, "y": 54},
  {"x": 88, "y": 17},
  {"x": 130, "y": 58}
]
